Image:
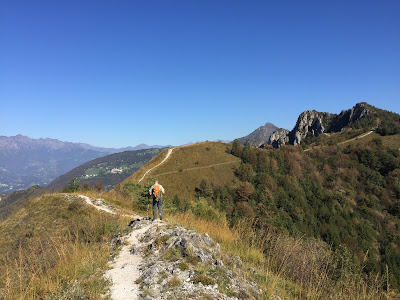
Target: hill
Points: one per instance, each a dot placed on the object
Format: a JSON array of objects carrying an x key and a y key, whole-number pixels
[
  {"x": 25, "y": 161},
  {"x": 107, "y": 170},
  {"x": 188, "y": 166},
  {"x": 342, "y": 199}
]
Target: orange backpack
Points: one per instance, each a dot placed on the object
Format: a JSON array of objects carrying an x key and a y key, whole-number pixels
[{"x": 156, "y": 192}]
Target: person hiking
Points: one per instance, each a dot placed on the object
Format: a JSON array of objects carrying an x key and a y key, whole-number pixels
[{"x": 156, "y": 191}]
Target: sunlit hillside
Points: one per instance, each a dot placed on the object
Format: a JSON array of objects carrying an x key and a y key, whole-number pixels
[{"x": 187, "y": 166}]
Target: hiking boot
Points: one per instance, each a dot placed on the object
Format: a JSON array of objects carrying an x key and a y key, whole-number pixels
[{"x": 160, "y": 218}]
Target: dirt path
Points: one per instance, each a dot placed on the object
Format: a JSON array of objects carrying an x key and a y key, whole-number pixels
[
  {"x": 357, "y": 137},
  {"x": 124, "y": 269},
  {"x": 347, "y": 141},
  {"x": 105, "y": 208},
  {"x": 165, "y": 158},
  {"x": 203, "y": 167}
]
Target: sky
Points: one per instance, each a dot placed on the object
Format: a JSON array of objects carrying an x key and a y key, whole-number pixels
[{"x": 120, "y": 73}]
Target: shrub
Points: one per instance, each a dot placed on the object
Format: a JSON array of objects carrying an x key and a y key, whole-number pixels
[{"x": 205, "y": 280}]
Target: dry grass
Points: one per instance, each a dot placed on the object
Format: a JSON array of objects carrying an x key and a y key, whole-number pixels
[
  {"x": 290, "y": 267},
  {"x": 54, "y": 248},
  {"x": 188, "y": 165}
]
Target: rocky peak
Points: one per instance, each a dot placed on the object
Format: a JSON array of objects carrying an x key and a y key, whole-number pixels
[
  {"x": 349, "y": 116},
  {"x": 309, "y": 122}
]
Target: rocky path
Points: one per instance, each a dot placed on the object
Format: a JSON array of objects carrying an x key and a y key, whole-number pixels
[{"x": 124, "y": 269}]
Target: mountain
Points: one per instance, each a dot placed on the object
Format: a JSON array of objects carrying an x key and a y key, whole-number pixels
[
  {"x": 259, "y": 136},
  {"x": 343, "y": 195},
  {"x": 318, "y": 223},
  {"x": 25, "y": 161},
  {"x": 107, "y": 170},
  {"x": 311, "y": 124}
]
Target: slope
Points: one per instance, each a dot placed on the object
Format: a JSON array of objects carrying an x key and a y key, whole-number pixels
[
  {"x": 187, "y": 166},
  {"x": 56, "y": 247},
  {"x": 108, "y": 170},
  {"x": 10, "y": 201}
]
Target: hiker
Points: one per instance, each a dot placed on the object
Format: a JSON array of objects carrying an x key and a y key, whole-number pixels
[{"x": 156, "y": 191}]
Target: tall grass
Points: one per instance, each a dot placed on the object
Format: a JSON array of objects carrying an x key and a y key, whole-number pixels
[
  {"x": 290, "y": 267},
  {"x": 52, "y": 248}
]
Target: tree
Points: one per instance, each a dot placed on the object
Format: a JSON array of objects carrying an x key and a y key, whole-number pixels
[
  {"x": 85, "y": 186},
  {"x": 72, "y": 187},
  {"x": 236, "y": 148},
  {"x": 98, "y": 186},
  {"x": 244, "y": 191}
]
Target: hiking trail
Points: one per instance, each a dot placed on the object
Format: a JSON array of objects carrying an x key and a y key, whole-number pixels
[
  {"x": 125, "y": 267},
  {"x": 347, "y": 141},
  {"x": 165, "y": 158}
]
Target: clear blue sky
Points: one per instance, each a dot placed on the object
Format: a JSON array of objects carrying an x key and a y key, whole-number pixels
[{"x": 120, "y": 73}]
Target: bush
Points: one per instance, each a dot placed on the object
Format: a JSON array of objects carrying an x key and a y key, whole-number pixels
[{"x": 72, "y": 187}]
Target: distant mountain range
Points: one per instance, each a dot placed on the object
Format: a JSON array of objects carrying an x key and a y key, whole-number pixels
[{"x": 25, "y": 162}]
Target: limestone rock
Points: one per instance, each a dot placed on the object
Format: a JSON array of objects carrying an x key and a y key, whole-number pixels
[
  {"x": 279, "y": 138},
  {"x": 182, "y": 264}
]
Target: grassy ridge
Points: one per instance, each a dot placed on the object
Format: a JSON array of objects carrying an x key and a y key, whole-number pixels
[
  {"x": 188, "y": 166},
  {"x": 56, "y": 247}
]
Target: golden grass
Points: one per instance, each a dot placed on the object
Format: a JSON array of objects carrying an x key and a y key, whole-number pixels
[
  {"x": 55, "y": 248},
  {"x": 188, "y": 165},
  {"x": 290, "y": 267}
]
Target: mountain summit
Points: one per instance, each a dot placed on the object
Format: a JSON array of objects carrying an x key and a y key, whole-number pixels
[{"x": 259, "y": 136}]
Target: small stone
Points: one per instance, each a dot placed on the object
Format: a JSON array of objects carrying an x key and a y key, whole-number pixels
[{"x": 219, "y": 263}]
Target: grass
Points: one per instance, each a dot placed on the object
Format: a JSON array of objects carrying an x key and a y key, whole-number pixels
[
  {"x": 188, "y": 165},
  {"x": 349, "y": 137},
  {"x": 204, "y": 279},
  {"x": 290, "y": 267},
  {"x": 174, "y": 282},
  {"x": 55, "y": 248}
]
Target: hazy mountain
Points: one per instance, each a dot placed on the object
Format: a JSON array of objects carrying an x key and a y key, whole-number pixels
[
  {"x": 25, "y": 161},
  {"x": 259, "y": 136}
]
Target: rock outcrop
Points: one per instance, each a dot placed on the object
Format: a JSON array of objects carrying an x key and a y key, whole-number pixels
[
  {"x": 312, "y": 123},
  {"x": 181, "y": 264},
  {"x": 309, "y": 123},
  {"x": 279, "y": 137}
]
